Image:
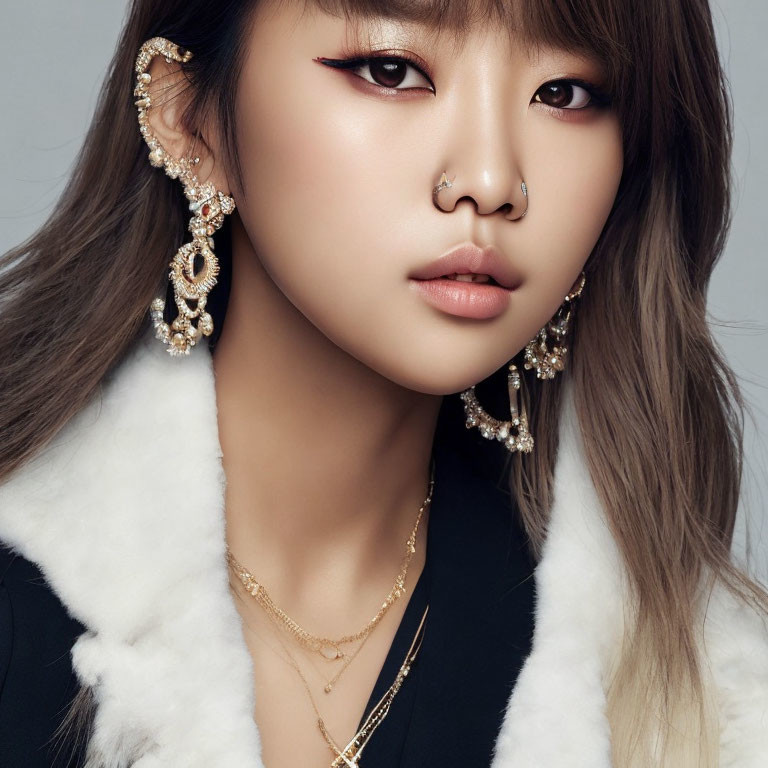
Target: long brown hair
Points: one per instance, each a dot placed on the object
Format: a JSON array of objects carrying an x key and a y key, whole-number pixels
[{"x": 648, "y": 378}]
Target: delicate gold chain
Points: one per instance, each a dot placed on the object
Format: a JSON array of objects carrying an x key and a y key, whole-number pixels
[
  {"x": 348, "y": 658},
  {"x": 350, "y": 755},
  {"x": 329, "y": 648}
]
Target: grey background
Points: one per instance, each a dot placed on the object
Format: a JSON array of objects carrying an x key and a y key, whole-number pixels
[{"x": 53, "y": 56}]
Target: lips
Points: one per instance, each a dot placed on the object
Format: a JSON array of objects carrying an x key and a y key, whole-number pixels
[
  {"x": 478, "y": 301},
  {"x": 471, "y": 277},
  {"x": 468, "y": 258}
]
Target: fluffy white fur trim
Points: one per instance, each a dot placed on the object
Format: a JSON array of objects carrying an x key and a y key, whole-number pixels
[
  {"x": 124, "y": 513},
  {"x": 555, "y": 716}
]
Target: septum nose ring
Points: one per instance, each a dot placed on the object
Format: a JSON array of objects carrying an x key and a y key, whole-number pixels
[{"x": 445, "y": 182}]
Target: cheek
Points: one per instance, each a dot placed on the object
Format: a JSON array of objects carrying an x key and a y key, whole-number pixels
[
  {"x": 575, "y": 172},
  {"x": 577, "y": 169},
  {"x": 307, "y": 164}
]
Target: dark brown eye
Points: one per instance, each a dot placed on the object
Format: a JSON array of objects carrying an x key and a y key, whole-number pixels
[
  {"x": 391, "y": 71},
  {"x": 388, "y": 72},
  {"x": 571, "y": 94},
  {"x": 384, "y": 71},
  {"x": 561, "y": 95}
]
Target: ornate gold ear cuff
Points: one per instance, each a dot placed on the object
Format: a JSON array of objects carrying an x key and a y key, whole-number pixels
[{"x": 194, "y": 268}]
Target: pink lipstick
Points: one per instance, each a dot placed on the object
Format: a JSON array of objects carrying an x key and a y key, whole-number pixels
[{"x": 482, "y": 292}]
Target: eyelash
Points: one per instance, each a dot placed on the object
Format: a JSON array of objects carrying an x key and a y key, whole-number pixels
[{"x": 598, "y": 97}]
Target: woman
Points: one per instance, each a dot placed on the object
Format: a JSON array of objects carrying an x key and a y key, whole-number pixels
[{"x": 279, "y": 545}]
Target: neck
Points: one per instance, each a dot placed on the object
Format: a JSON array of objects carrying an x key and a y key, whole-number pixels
[{"x": 327, "y": 461}]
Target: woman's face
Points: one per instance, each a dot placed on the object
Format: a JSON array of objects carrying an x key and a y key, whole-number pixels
[{"x": 339, "y": 167}]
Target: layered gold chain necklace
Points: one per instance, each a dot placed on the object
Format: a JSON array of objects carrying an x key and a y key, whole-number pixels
[
  {"x": 332, "y": 649},
  {"x": 328, "y": 648}
]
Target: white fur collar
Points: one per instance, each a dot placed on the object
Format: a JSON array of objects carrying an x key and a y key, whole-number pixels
[{"x": 124, "y": 513}]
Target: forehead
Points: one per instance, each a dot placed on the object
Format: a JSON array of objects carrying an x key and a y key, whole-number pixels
[
  {"x": 432, "y": 14},
  {"x": 573, "y": 25},
  {"x": 436, "y": 19}
]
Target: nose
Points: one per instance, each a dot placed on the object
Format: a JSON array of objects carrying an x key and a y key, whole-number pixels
[{"x": 482, "y": 156}]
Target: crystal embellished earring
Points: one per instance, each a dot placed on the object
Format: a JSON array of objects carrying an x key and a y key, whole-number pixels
[
  {"x": 515, "y": 433},
  {"x": 191, "y": 284},
  {"x": 537, "y": 355}
]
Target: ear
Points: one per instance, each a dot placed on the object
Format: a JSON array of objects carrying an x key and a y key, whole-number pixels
[{"x": 170, "y": 94}]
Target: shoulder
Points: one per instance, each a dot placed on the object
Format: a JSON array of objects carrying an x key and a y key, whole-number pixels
[{"x": 37, "y": 683}]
